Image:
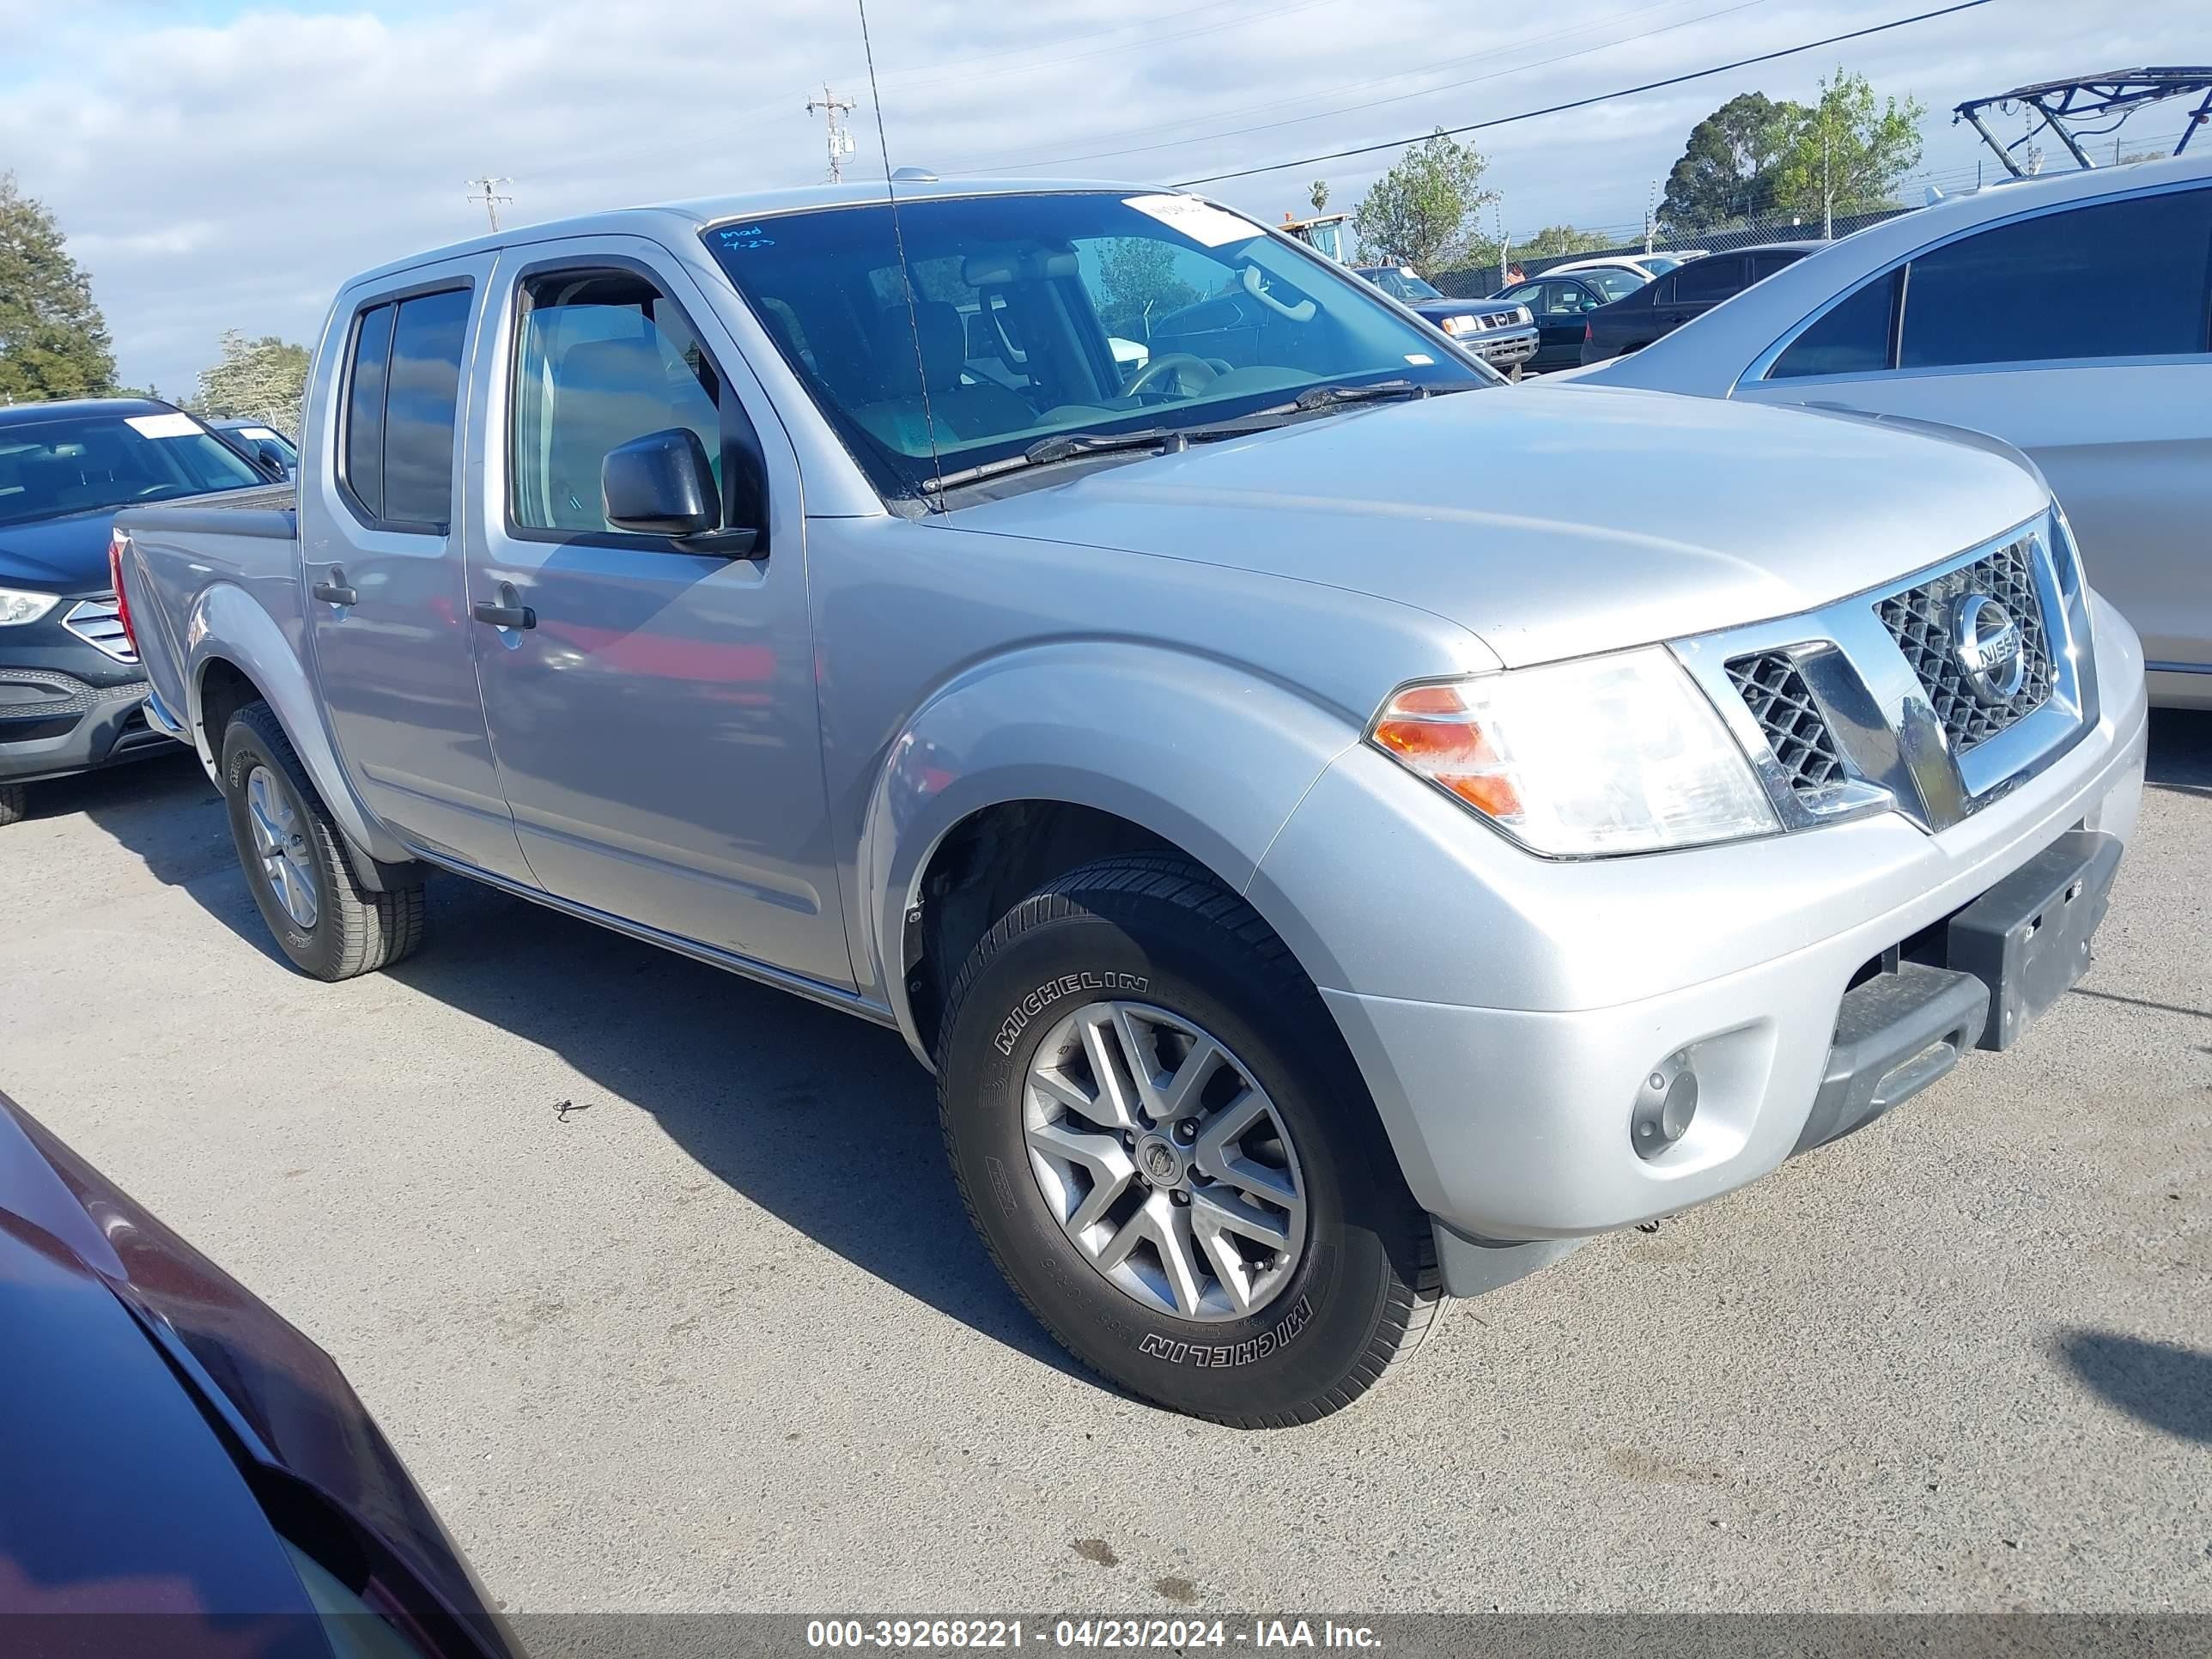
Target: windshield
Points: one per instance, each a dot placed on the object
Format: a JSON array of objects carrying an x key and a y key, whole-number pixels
[
  {"x": 1049, "y": 313},
  {"x": 82, "y": 463},
  {"x": 1660, "y": 264},
  {"x": 252, "y": 432},
  {"x": 1400, "y": 282}
]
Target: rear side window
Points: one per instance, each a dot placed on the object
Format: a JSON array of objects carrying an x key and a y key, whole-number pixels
[
  {"x": 1707, "y": 280},
  {"x": 1764, "y": 265},
  {"x": 402, "y": 399},
  {"x": 2117, "y": 279},
  {"x": 1853, "y": 338}
]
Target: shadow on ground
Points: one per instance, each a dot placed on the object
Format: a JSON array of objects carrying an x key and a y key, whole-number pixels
[
  {"x": 821, "y": 1118},
  {"x": 2160, "y": 1383},
  {"x": 2180, "y": 750}
]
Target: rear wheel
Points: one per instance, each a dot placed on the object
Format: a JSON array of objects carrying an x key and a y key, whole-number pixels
[
  {"x": 1164, "y": 1140},
  {"x": 15, "y": 802},
  {"x": 322, "y": 919}
]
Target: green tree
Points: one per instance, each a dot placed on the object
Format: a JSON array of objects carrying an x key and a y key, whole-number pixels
[
  {"x": 1846, "y": 153},
  {"x": 264, "y": 380},
  {"x": 1416, "y": 213},
  {"x": 1318, "y": 195},
  {"x": 1726, "y": 170},
  {"x": 1554, "y": 240},
  {"x": 54, "y": 342},
  {"x": 1137, "y": 274}
]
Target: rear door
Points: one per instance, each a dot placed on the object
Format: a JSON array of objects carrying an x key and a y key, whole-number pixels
[
  {"x": 2084, "y": 335},
  {"x": 655, "y": 717},
  {"x": 1697, "y": 287},
  {"x": 388, "y": 629}
]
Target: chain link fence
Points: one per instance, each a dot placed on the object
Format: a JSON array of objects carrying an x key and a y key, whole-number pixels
[{"x": 1477, "y": 281}]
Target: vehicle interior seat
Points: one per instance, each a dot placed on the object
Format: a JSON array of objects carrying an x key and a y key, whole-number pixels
[{"x": 963, "y": 410}]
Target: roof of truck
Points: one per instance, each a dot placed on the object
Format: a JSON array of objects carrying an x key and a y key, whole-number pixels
[
  {"x": 25, "y": 414},
  {"x": 696, "y": 215}
]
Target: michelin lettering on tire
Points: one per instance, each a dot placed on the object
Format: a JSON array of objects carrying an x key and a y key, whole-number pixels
[
  {"x": 1213, "y": 1356},
  {"x": 1009, "y": 1032}
]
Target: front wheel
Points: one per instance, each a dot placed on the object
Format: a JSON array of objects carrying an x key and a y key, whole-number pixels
[
  {"x": 14, "y": 803},
  {"x": 1164, "y": 1142},
  {"x": 322, "y": 919}
]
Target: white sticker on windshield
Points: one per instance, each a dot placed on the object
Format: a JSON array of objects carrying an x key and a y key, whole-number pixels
[
  {"x": 1203, "y": 222},
  {"x": 257, "y": 432},
  {"x": 162, "y": 426},
  {"x": 1419, "y": 358}
]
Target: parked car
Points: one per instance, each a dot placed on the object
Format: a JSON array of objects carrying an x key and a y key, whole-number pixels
[
  {"x": 1969, "y": 312},
  {"x": 1560, "y": 306},
  {"x": 1636, "y": 319},
  {"x": 70, "y": 689},
  {"x": 176, "y": 1451},
  {"x": 1635, "y": 266},
  {"x": 1505, "y": 337},
  {"x": 263, "y": 444},
  {"x": 1331, "y": 842}
]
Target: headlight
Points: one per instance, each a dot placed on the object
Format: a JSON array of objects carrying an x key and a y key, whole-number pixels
[
  {"x": 16, "y": 606},
  {"x": 1612, "y": 754},
  {"x": 1527, "y": 315},
  {"x": 1460, "y": 325}
]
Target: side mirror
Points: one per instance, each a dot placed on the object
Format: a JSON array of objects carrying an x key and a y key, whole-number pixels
[
  {"x": 271, "y": 458},
  {"x": 660, "y": 485}
]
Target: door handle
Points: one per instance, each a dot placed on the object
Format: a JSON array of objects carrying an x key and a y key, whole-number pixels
[
  {"x": 335, "y": 591},
  {"x": 506, "y": 611}
]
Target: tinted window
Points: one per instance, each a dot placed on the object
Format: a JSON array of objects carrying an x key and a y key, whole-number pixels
[
  {"x": 603, "y": 358},
  {"x": 1764, "y": 265},
  {"x": 2119, "y": 279},
  {"x": 1703, "y": 282},
  {"x": 1851, "y": 339},
  {"x": 363, "y": 472},
  {"x": 82, "y": 463},
  {"x": 425, "y": 379}
]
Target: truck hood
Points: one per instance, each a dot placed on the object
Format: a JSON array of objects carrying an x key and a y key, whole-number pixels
[
  {"x": 1554, "y": 527},
  {"x": 68, "y": 554}
]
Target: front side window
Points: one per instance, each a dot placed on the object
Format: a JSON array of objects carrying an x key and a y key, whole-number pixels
[
  {"x": 603, "y": 358},
  {"x": 2116, "y": 279},
  {"x": 402, "y": 405},
  {"x": 1127, "y": 311},
  {"x": 96, "y": 463}
]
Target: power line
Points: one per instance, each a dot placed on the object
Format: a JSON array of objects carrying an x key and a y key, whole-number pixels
[
  {"x": 1403, "y": 97},
  {"x": 1585, "y": 103},
  {"x": 485, "y": 191}
]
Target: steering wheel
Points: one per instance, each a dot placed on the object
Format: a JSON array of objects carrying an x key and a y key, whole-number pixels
[{"x": 1158, "y": 367}]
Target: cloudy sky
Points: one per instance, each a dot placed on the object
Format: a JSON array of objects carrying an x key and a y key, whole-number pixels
[{"x": 225, "y": 163}]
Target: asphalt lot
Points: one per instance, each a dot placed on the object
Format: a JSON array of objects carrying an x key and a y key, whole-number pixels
[{"x": 716, "y": 1335}]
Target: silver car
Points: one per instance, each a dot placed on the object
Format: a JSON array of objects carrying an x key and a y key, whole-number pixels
[
  {"x": 1335, "y": 844},
  {"x": 2070, "y": 315}
]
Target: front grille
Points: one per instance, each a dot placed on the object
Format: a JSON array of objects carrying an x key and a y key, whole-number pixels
[
  {"x": 1795, "y": 730},
  {"x": 98, "y": 624},
  {"x": 1920, "y": 621}
]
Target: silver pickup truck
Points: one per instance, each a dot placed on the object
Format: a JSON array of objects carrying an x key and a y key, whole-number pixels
[{"x": 1341, "y": 830}]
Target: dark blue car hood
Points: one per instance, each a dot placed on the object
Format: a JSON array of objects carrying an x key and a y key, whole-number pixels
[{"x": 68, "y": 554}]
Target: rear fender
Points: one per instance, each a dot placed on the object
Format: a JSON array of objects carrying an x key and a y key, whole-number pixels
[
  {"x": 1209, "y": 756},
  {"x": 226, "y": 624}
]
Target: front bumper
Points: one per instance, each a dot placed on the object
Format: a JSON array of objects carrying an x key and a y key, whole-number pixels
[
  {"x": 1502, "y": 349},
  {"x": 53, "y": 723},
  {"x": 1509, "y": 1106}
]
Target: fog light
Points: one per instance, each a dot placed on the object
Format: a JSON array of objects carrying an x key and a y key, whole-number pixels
[{"x": 1665, "y": 1106}]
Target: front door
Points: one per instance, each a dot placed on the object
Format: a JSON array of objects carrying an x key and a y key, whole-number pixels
[
  {"x": 652, "y": 708},
  {"x": 386, "y": 604}
]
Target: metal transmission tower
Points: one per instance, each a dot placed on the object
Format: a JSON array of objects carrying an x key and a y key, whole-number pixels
[
  {"x": 830, "y": 107},
  {"x": 486, "y": 190}
]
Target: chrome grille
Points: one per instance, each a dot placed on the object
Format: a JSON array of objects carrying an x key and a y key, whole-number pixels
[
  {"x": 1920, "y": 621},
  {"x": 100, "y": 625},
  {"x": 1795, "y": 730}
]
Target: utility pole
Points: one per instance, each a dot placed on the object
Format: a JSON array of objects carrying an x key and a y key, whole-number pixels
[
  {"x": 486, "y": 191},
  {"x": 830, "y": 107},
  {"x": 1650, "y": 212}
]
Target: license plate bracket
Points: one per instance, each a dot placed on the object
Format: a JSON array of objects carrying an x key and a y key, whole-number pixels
[{"x": 2027, "y": 937}]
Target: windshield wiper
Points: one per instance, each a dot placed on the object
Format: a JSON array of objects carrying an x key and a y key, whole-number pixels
[{"x": 1075, "y": 445}]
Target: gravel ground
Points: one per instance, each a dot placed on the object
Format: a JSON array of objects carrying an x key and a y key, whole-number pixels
[{"x": 657, "y": 1281}]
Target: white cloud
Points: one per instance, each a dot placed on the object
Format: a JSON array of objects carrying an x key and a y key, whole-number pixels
[{"x": 230, "y": 173}]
